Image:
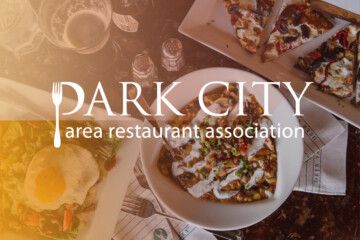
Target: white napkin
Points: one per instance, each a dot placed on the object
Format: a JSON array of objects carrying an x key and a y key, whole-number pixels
[
  {"x": 325, "y": 144},
  {"x": 325, "y": 171}
]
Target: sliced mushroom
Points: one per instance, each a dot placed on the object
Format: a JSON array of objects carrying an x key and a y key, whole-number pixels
[{"x": 223, "y": 102}]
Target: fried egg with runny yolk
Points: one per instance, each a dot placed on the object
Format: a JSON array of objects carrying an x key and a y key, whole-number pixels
[{"x": 57, "y": 176}]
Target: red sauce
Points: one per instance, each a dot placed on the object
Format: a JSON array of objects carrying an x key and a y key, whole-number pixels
[
  {"x": 327, "y": 69},
  {"x": 345, "y": 42}
]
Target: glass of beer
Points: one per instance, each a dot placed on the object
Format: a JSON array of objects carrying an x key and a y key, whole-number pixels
[
  {"x": 19, "y": 30},
  {"x": 79, "y": 25}
]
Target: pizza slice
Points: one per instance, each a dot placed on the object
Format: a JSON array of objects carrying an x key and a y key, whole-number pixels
[
  {"x": 296, "y": 25},
  {"x": 248, "y": 18},
  {"x": 331, "y": 66}
]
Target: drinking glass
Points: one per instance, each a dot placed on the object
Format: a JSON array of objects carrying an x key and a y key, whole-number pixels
[
  {"x": 79, "y": 25},
  {"x": 130, "y": 7},
  {"x": 19, "y": 30}
]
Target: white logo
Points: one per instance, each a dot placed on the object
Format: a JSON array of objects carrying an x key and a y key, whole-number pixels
[{"x": 57, "y": 97}]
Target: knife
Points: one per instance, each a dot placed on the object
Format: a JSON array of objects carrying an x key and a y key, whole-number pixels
[{"x": 335, "y": 11}]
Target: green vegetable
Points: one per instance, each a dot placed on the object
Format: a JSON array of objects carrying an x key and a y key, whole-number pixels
[
  {"x": 251, "y": 131},
  {"x": 238, "y": 174},
  {"x": 205, "y": 173},
  {"x": 235, "y": 152},
  {"x": 245, "y": 168},
  {"x": 207, "y": 120},
  {"x": 205, "y": 150}
]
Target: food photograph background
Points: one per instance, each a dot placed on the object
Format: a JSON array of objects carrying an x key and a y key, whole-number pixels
[{"x": 330, "y": 211}]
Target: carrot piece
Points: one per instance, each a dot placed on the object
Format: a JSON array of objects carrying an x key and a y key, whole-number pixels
[
  {"x": 31, "y": 218},
  {"x": 68, "y": 218}
]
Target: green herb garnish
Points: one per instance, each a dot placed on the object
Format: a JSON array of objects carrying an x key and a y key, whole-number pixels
[
  {"x": 205, "y": 150},
  {"x": 207, "y": 120},
  {"x": 204, "y": 173},
  {"x": 238, "y": 174},
  {"x": 235, "y": 152}
]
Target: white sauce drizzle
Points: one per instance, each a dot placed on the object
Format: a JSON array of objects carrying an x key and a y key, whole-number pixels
[
  {"x": 203, "y": 186},
  {"x": 178, "y": 168},
  {"x": 229, "y": 178},
  {"x": 195, "y": 152},
  {"x": 268, "y": 193},
  {"x": 208, "y": 184},
  {"x": 258, "y": 174}
]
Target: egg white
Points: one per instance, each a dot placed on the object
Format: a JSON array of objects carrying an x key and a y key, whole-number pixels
[{"x": 77, "y": 166}]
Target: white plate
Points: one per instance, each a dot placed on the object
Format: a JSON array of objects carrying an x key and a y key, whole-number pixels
[
  {"x": 213, "y": 29},
  {"x": 113, "y": 188},
  {"x": 220, "y": 216}
]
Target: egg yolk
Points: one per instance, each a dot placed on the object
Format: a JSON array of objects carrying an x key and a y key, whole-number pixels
[{"x": 50, "y": 185}]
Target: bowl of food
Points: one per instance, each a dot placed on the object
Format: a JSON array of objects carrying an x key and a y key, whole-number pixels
[{"x": 225, "y": 175}]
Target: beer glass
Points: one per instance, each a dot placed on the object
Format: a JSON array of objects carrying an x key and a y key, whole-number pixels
[
  {"x": 79, "y": 25},
  {"x": 19, "y": 30}
]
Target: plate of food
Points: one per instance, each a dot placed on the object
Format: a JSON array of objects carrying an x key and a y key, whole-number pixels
[
  {"x": 73, "y": 192},
  {"x": 223, "y": 182},
  {"x": 274, "y": 37}
]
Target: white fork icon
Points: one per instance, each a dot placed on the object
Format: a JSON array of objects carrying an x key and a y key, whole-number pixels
[{"x": 57, "y": 98}]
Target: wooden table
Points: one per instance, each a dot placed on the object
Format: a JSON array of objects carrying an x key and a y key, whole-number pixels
[{"x": 302, "y": 216}]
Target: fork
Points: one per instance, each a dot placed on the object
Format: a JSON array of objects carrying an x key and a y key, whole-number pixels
[
  {"x": 57, "y": 98},
  {"x": 140, "y": 176},
  {"x": 142, "y": 207}
]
